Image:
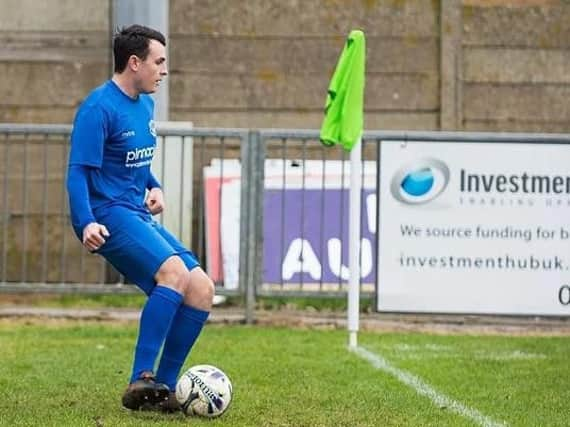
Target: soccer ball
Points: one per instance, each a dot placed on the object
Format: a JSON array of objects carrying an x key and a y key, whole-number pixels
[{"x": 204, "y": 390}]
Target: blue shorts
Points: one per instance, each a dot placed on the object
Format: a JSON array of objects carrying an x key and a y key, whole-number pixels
[{"x": 138, "y": 245}]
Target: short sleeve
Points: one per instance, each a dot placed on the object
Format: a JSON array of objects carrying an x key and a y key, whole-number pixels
[{"x": 88, "y": 137}]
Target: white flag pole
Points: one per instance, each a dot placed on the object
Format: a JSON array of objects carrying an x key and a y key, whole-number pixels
[{"x": 354, "y": 243}]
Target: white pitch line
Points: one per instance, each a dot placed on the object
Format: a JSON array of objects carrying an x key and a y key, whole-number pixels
[{"x": 425, "y": 389}]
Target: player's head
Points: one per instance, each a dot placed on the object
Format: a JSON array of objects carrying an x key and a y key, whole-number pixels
[{"x": 141, "y": 52}]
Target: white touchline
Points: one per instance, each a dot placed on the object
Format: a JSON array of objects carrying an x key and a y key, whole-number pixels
[{"x": 425, "y": 389}]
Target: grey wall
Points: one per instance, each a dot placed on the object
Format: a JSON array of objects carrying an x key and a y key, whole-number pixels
[
  {"x": 515, "y": 67},
  {"x": 52, "y": 52},
  {"x": 471, "y": 65},
  {"x": 259, "y": 63}
]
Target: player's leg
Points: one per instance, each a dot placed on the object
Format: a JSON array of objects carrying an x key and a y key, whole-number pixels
[
  {"x": 189, "y": 319},
  {"x": 139, "y": 252},
  {"x": 186, "y": 327},
  {"x": 155, "y": 321},
  {"x": 183, "y": 333}
]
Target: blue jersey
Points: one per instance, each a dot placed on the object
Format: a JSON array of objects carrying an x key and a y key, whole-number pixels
[{"x": 115, "y": 136}]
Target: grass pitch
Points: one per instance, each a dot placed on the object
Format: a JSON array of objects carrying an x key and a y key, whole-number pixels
[{"x": 73, "y": 374}]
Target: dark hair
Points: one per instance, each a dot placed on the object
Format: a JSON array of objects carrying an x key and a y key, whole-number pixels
[{"x": 133, "y": 40}]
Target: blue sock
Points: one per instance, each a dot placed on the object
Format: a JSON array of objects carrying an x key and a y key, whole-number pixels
[
  {"x": 156, "y": 318},
  {"x": 183, "y": 333}
]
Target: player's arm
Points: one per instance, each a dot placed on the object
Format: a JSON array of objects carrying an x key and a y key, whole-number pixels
[
  {"x": 87, "y": 141},
  {"x": 94, "y": 234},
  {"x": 152, "y": 182},
  {"x": 155, "y": 198}
]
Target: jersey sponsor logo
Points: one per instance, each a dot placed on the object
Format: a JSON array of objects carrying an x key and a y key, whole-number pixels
[
  {"x": 139, "y": 157},
  {"x": 152, "y": 127}
]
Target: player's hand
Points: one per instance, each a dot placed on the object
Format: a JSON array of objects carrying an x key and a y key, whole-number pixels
[
  {"x": 155, "y": 201},
  {"x": 94, "y": 235}
]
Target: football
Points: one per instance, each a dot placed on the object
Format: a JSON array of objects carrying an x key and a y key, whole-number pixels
[{"x": 204, "y": 390}]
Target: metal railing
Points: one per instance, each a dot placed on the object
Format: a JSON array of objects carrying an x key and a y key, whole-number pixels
[
  {"x": 38, "y": 249},
  {"x": 250, "y": 203}
]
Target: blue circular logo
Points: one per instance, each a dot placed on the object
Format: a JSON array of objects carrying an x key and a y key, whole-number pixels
[
  {"x": 420, "y": 181},
  {"x": 417, "y": 183}
]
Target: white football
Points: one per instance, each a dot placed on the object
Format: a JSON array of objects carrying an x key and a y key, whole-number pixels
[{"x": 204, "y": 390}]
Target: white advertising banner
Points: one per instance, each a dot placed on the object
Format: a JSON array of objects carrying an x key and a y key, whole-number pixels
[{"x": 474, "y": 228}]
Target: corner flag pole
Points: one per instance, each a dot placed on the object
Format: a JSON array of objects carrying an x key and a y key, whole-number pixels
[
  {"x": 354, "y": 243},
  {"x": 343, "y": 124}
]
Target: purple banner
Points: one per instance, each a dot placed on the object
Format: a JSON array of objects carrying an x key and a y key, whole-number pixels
[{"x": 306, "y": 236}]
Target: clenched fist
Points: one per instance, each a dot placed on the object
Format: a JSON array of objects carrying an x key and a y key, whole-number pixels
[
  {"x": 155, "y": 201},
  {"x": 94, "y": 235}
]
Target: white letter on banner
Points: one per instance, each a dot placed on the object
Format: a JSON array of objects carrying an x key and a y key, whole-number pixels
[
  {"x": 335, "y": 262},
  {"x": 300, "y": 258},
  {"x": 365, "y": 257},
  {"x": 371, "y": 212},
  {"x": 334, "y": 259}
]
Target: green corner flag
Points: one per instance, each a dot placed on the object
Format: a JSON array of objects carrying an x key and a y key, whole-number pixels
[{"x": 343, "y": 120}]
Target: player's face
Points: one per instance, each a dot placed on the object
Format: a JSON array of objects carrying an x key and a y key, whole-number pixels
[{"x": 153, "y": 69}]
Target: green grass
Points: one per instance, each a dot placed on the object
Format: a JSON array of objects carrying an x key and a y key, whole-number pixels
[
  {"x": 312, "y": 303},
  {"x": 136, "y": 300},
  {"x": 72, "y": 374},
  {"x": 76, "y": 300}
]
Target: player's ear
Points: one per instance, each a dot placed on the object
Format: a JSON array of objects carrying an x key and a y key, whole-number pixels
[{"x": 134, "y": 62}]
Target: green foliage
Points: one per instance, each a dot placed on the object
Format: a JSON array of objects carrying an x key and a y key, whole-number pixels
[{"x": 73, "y": 374}]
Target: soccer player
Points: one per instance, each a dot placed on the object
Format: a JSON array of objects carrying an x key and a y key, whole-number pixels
[{"x": 113, "y": 195}]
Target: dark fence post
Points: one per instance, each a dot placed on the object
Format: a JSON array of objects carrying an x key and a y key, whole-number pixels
[{"x": 251, "y": 211}]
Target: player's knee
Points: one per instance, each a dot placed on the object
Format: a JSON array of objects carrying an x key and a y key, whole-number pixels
[
  {"x": 200, "y": 288},
  {"x": 173, "y": 274},
  {"x": 208, "y": 289}
]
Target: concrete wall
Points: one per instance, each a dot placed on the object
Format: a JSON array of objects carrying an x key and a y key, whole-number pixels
[
  {"x": 516, "y": 66},
  {"x": 52, "y": 52},
  {"x": 257, "y": 63},
  {"x": 448, "y": 64}
]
